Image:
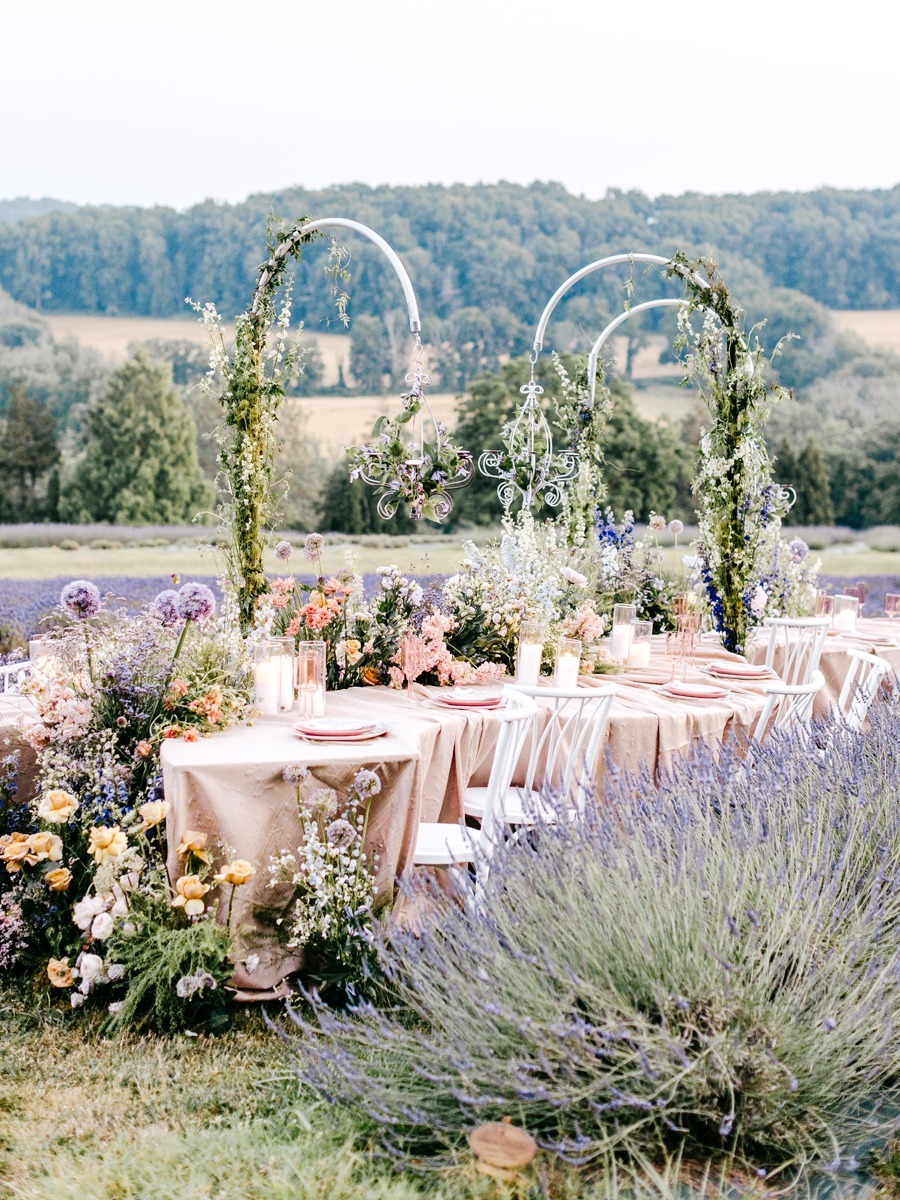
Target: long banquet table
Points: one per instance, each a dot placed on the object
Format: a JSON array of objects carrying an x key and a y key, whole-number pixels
[{"x": 232, "y": 786}]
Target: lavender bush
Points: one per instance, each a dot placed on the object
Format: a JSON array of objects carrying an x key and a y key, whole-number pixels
[{"x": 706, "y": 966}]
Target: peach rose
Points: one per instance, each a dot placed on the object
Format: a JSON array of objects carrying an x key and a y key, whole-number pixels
[
  {"x": 152, "y": 813},
  {"x": 189, "y": 893},
  {"x": 56, "y": 806},
  {"x": 46, "y": 845},
  {"x": 235, "y": 873},
  {"x": 194, "y": 842},
  {"x": 15, "y": 849},
  {"x": 106, "y": 841},
  {"x": 143, "y": 750},
  {"x": 58, "y": 880},
  {"x": 60, "y": 973}
]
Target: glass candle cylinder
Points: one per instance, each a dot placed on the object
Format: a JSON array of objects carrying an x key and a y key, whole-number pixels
[
  {"x": 620, "y": 636},
  {"x": 286, "y": 675},
  {"x": 823, "y": 603},
  {"x": 568, "y": 663},
  {"x": 311, "y": 679},
  {"x": 641, "y": 634},
  {"x": 843, "y": 613},
  {"x": 267, "y": 677},
  {"x": 529, "y": 653}
]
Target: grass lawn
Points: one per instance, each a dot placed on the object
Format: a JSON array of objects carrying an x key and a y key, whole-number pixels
[{"x": 84, "y": 1117}]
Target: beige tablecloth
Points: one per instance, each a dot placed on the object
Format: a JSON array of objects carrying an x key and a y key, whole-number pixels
[{"x": 14, "y": 712}]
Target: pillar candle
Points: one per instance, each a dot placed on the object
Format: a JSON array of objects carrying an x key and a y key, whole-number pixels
[
  {"x": 567, "y": 668},
  {"x": 267, "y": 686},
  {"x": 620, "y": 642},
  {"x": 528, "y": 668}
]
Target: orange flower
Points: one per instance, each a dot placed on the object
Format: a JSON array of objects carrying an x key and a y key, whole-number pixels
[
  {"x": 15, "y": 849},
  {"x": 190, "y": 735},
  {"x": 59, "y": 879},
  {"x": 143, "y": 750}
]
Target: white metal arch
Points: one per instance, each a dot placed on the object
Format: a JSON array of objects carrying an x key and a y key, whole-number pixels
[
  {"x": 613, "y": 260},
  {"x": 412, "y": 307}
]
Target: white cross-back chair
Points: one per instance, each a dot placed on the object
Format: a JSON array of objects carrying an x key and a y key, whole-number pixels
[
  {"x": 788, "y": 705},
  {"x": 562, "y": 759},
  {"x": 12, "y": 677},
  {"x": 440, "y": 844},
  {"x": 803, "y": 639},
  {"x": 864, "y": 679}
]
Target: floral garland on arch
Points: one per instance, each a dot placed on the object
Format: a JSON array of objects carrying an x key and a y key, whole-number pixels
[
  {"x": 747, "y": 570},
  {"x": 250, "y": 380}
]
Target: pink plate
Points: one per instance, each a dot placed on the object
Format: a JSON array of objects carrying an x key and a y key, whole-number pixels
[
  {"x": 737, "y": 670},
  {"x": 695, "y": 691},
  {"x": 337, "y": 739}
]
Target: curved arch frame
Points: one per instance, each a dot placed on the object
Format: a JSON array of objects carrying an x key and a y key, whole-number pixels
[
  {"x": 594, "y": 356},
  {"x": 412, "y": 307}
]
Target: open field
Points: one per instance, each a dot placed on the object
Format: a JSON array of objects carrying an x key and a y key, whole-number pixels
[
  {"x": 335, "y": 421},
  {"x": 111, "y": 336},
  {"x": 437, "y": 557},
  {"x": 879, "y": 328}
]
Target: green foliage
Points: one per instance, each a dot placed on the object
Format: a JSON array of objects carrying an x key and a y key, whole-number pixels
[
  {"x": 813, "y": 506},
  {"x": 28, "y": 453},
  {"x": 370, "y": 360},
  {"x": 157, "y": 952},
  {"x": 140, "y": 459}
]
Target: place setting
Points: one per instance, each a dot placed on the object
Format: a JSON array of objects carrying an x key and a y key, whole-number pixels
[{"x": 338, "y": 731}]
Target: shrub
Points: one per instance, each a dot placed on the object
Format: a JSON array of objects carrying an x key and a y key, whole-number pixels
[
  {"x": 69, "y": 544},
  {"x": 710, "y": 965},
  {"x": 104, "y": 544}
]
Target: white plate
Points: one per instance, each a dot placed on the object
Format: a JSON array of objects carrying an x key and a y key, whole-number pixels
[
  {"x": 334, "y": 739},
  {"x": 738, "y": 671}
]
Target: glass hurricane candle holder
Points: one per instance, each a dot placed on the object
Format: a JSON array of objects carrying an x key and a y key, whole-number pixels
[
  {"x": 823, "y": 604},
  {"x": 892, "y": 605},
  {"x": 641, "y": 635},
  {"x": 843, "y": 613},
  {"x": 568, "y": 663},
  {"x": 620, "y": 635},
  {"x": 311, "y": 679},
  {"x": 529, "y": 653},
  {"x": 286, "y": 673},
  {"x": 267, "y": 658}
]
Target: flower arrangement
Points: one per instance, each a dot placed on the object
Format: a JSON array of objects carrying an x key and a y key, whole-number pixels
[
  {"x": 250, "y": 380},
  {"x": 741, "y": 508},
  {"x": 330, "y": 879},
  {"x": 406, "y": 467},
  {"x": 84, "y": 863}
]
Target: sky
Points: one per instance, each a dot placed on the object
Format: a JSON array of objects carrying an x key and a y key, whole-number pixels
[{"x": 165, "y": 102}]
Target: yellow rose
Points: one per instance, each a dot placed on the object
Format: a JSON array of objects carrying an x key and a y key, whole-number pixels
[
  {"x": 193, "y": 842},
  {"x": 143, "y": 750},
  {"x": 56, "y": 806},
  {"x": 46, "y": 845},
  {"x": 190, "y": 890},
  {"x": 14, "y": 850},
  {"x": 317, "y": 599},
  {"x": 60, "y": 973},
  {"x": 59, "y": 879},
  {"x": 235, "y": 873},
  {"x": 152, "y": 814},
  {"x": 106, "y": 841}
]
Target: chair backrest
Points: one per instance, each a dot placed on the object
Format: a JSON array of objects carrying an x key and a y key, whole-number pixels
[
  {"x": 564, "y": 753},
  {"x": 803, "y": 639},
  {"x": 516, "y": 721},
  {"x": 12, "y": 676},
  {"x": 866, "y": 675},
  {"x": 788, "y": 705}
]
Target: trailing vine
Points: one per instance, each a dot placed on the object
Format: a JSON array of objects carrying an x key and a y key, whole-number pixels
[
  {"x": 582, "y": 422},
  {"x": 250, "y": 380},
  {"x": 739, "y": 501}
]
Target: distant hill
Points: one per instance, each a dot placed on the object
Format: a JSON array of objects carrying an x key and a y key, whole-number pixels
[
  {"x": 498, "y": 248},
  {"x": 23, "y": 207}
]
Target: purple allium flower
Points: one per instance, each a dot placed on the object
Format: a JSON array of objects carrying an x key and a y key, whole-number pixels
[
  {"x": 366, "y": 784},
  {"x": 165, "y": 608},
  {"x": 340, "y": 834},
  {"x": 295, "y": 773},
  {"x": 799, "y": 550},
  {"x": 81, "y": 599},
  {"x": 195, "y": 602},
  {"x": 283, "y": 551},
  {"x": 313, "y": 547},
  {"x": 676, "y": 527}
]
